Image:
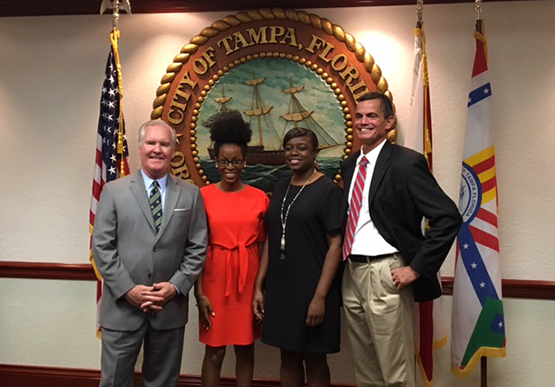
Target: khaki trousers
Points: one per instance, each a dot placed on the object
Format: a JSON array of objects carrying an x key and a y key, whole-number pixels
[{"x": 379, "y": 323}]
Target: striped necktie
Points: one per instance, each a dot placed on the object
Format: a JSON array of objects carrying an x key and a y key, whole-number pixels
[
  {"x": 155, "y": 201},
  {"x": 354, "y": 208}
]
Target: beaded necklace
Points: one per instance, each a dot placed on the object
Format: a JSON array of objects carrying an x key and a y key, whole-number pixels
[{"x": 286, "y": 215}]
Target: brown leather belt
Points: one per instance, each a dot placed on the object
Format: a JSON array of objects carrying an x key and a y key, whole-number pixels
[{"x": 368, "y": 258}]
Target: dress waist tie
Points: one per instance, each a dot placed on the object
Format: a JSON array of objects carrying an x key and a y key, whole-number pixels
[{"x": 243, "y": 265}]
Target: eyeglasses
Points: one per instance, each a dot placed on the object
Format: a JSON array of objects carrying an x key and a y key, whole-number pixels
[{"x": 225, "y": 163}]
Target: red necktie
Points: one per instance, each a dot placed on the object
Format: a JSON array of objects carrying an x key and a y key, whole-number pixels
[{"x": 354, "y": 208}]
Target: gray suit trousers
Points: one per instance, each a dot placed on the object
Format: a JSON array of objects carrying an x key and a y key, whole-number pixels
[{"x": 163, "y": 350}]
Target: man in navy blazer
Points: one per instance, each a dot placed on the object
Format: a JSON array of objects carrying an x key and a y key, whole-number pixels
[
  {"x": 389, "y": 262},
  {"x": 148, "y": 264}
]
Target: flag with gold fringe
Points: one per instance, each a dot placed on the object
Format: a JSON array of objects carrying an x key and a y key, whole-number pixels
[
  {"x": 111, "y": 144},
  {"x": 478, "y": 323},
  {"x": 429, "y": 321}
]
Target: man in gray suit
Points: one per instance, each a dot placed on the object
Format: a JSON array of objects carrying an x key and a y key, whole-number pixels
[{"x": 149, "y": 244}]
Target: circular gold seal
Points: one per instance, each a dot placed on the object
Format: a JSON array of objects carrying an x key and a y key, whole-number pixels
[{"x": 281, "y": 68}]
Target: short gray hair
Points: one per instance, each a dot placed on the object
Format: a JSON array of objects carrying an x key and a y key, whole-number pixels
[{"x": 142, "y": 130}]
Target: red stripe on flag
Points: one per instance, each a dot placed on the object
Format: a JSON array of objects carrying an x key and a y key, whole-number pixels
[
  {"x": 487, "y": 217},
  {"x": 489, "y": 184},
  {"x": 480, "y": 62},
  {"x": 484, "y": 165},
  {"x": 98, "y": 296},
  {"x": 427, "y": 338},
  {"x": 483, "y": 238},
  {"x": 97, "y": 188},
  {"x": 126, "y": 166}
]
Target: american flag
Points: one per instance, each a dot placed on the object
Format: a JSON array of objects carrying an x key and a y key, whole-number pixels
[{"x": 111, "y": 157}]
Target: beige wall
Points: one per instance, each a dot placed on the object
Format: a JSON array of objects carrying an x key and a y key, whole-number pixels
[
  {"x": 51, "y": 70},
  {"x": 51, "y": 323}
]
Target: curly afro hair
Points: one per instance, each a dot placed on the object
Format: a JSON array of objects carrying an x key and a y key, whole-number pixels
[{"x": 228, "y": 127}]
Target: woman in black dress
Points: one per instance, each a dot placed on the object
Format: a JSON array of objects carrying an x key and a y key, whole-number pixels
[{"x": 297, "y": 290}]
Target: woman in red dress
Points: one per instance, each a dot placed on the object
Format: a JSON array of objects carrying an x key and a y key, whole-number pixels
[{"x": 224, "y": 291}]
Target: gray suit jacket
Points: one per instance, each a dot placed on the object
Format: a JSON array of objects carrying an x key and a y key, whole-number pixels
[{"x": 128, "y": 251}]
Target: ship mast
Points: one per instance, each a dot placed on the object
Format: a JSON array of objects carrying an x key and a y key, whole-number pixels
[{"x": 257, "y": 106}]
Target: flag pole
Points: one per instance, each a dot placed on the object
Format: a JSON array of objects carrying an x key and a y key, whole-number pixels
[
  {"x": 419, "y": 12},
  {"x": 479, "y": 30},
  {"x": 118, "y": 5},
  {"x": 478, "y": 9},
  {"x": 120, "y": 150},
  {"x": 430, "y": 330},
  {"x": 109, "y": 148},
  {"x": 484, "y": 371}
]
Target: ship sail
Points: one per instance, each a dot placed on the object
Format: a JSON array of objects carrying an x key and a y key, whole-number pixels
[
  {"x": 223, "y": 100},
  {"x": 293, "y": 90},
  {"x": 255, "y": 82},
  {"x": 297, "y": 115},
  {"x": 260, "y": 114}
]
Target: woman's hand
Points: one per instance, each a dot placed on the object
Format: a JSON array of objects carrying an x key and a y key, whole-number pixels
[
  {"x": 316, "y": 311},
  {"x": 258, "y": 305},
  {"x": 205, "y": 311}
]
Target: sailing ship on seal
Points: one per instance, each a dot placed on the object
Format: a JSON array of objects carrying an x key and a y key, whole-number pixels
[{"x": 269, "y": 150}]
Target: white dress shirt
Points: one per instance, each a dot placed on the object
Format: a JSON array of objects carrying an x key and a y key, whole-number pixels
[
  {"x": 367, "y": 240},
  {"x": 162, "y": 182}
]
